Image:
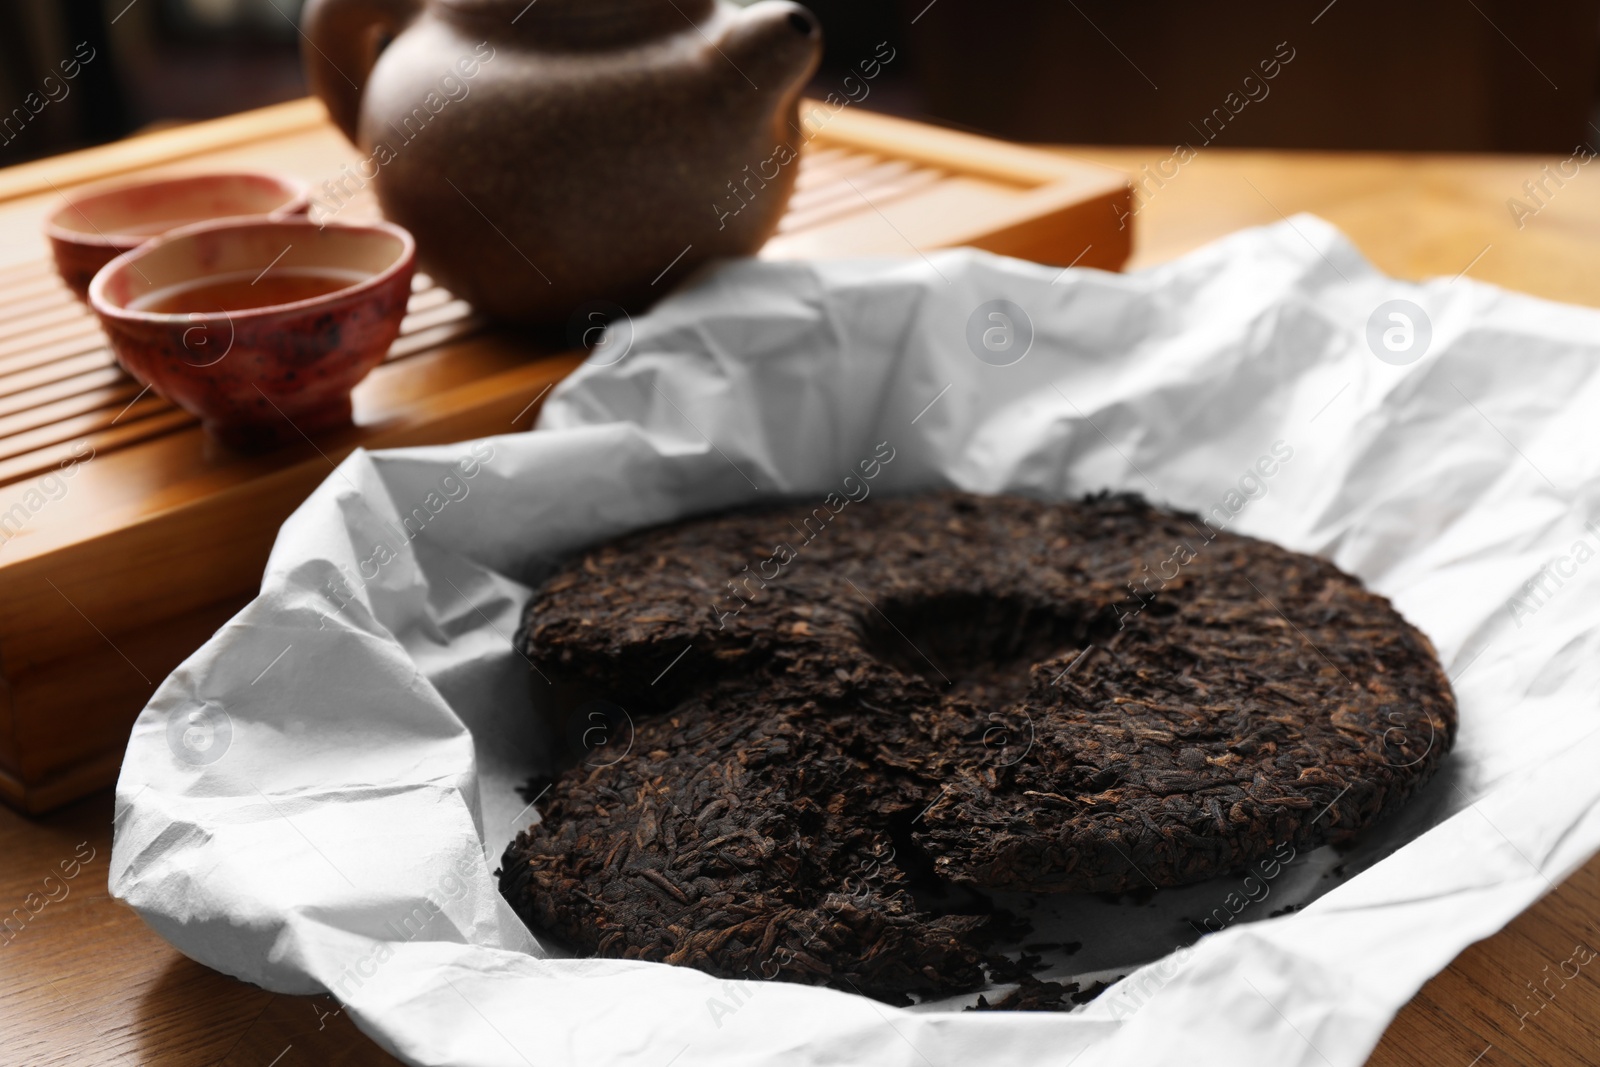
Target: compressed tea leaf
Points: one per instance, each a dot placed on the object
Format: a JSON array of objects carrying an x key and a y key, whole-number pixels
[{"x": 848, "y": 719}]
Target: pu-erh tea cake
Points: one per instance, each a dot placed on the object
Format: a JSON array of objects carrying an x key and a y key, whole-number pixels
[{"x": 847, "y": 721}]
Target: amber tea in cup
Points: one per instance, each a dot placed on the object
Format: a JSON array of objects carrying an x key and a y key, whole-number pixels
[{"x": 244, "y": 290}]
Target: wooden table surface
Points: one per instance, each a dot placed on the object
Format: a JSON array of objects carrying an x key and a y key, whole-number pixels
[{"x": 84, "y": 982}]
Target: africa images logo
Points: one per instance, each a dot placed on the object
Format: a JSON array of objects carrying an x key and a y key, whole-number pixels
[
  {"x": 200, "y": 735},
  {"x": 999, "y": 333},
  {"x": 1399, "y": 332}
]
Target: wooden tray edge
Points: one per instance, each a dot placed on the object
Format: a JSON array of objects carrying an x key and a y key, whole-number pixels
[
  {"x": 163, "y": 146},
  {"x": 52, "y": 791},
  {"x": 847, "y": 126},
  {"x": 955, "y": 150}
]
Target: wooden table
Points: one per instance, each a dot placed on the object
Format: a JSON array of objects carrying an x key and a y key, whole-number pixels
[{"x": 84, "y": 982}]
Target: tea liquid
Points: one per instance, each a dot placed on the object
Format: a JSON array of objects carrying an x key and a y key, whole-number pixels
[{"x": 241, "y": 291}]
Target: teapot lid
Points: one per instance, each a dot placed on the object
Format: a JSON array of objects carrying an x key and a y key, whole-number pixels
[{"x": 585, "y": 23}]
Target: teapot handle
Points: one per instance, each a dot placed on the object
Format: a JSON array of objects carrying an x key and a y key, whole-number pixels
[{"x": 342, "y": 41}]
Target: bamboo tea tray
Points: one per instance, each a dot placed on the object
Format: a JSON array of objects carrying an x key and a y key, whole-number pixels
[{"x": 110, "y": 577}]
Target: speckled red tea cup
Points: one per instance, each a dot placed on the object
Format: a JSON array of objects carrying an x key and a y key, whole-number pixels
[
  {"x": 258, "y": 376},
  {"x": 96, "y": 226}
]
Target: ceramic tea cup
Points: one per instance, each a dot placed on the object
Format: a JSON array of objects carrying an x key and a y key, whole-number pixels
[
  {"x": 259, "y": 327},
  {"x": 95, "y": 227}
]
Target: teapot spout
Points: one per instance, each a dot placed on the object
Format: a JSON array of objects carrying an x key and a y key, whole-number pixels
[{"x": 775, "y": 44}]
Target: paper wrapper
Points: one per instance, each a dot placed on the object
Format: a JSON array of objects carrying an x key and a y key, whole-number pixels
[{"x": 316, "y": 800}]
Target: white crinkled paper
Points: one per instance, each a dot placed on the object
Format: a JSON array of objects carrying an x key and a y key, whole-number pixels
[{"x": 317, "y": 798}]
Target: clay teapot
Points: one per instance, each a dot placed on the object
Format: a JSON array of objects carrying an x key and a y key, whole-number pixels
[{"x": 555, "y": 153}]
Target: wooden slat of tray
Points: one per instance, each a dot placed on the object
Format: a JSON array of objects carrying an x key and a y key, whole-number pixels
[{"x": 107, "y": 587}]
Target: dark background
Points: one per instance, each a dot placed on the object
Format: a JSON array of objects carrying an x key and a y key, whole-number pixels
[{"x": 1485, "y": 75}]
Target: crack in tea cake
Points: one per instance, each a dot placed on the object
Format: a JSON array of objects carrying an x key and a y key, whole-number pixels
[{"x": 847, "y": 719}]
